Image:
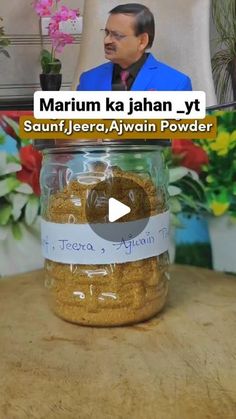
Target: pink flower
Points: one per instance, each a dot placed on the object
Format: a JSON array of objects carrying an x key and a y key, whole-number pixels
[
  {"x": 53, "y": 27},
  {"x": 64, "y": 14},
  {"x": 60, "y": 40},
  {"x": 43, "y": 7}
]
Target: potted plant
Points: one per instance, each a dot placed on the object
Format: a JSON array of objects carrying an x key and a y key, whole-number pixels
[
  {"x": 20, "y": 248},
  {"x": 51, "y": 78},
  {"x": 219, "y": 180},
  {"x": 224, "y": 60},
  {"x": 186, "y": 191},
  {"x": 4, "y": 41},
  {"x": 185, "y": 163}
]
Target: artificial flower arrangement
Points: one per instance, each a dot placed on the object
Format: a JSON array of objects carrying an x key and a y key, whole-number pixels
[
  {"x": 214, "y": 161},
  {"x": 186, "y": 191},
  {"x": 19, "y": 181},
  {"x": 20, "y": 190},
  {"x": 59, "y": 39},
  {"x": 219, "y": 174}
]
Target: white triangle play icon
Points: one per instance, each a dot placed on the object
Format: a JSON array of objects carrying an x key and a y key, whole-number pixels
[{"x": 117, "y": 210}]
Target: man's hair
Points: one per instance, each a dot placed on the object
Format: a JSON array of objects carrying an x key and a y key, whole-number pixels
[{"x": 144, "y": 22}]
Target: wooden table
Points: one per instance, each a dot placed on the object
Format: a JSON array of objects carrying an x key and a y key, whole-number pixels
[{"x": 179, "y": 365}]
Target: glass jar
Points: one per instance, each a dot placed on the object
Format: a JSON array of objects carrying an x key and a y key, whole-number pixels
[{"x": 95, "y": 279}]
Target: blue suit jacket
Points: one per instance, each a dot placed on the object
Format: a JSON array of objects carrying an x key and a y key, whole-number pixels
[{"x": 153, "y": 75}]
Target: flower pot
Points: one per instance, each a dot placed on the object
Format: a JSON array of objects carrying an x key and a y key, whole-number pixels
[
  {"x": 223, "y": 238},
  {"x": 50, "y": 81},
  {"x": 193, "y": 229},
  {"x": 23, "y": 255}
]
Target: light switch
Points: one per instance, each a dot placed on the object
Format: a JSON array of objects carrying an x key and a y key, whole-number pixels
[{"x": 72, "y": 26}]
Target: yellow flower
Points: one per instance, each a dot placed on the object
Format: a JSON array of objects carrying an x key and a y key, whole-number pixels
[
  {"x": 223, "y": 152},
  {"x": 233, "y": 137},
  {"x": 219, "y": 113},
  {"x": 221, "y": 144},
  {"x": 219, "y": 208}
]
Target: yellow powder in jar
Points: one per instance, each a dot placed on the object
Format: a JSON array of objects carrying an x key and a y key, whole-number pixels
[{"x": 107, "y": 294}]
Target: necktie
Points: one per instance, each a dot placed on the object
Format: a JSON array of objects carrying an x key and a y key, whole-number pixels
[{"x": 124, "y": 74}]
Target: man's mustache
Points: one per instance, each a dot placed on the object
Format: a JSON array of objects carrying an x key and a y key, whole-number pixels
[{"x": 110, "y": 47}]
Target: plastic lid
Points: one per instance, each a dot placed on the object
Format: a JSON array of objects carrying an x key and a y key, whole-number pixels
[{"x": 62, "y": 144}]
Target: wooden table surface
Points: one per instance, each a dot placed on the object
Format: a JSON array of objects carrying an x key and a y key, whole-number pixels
[{"x": 179, "y": 365}]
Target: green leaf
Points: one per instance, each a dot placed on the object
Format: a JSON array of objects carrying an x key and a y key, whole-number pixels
[
  {"x": 2, "y": 139},
  {"x": 175, "y": 205},
  {"x": 18, "y": 201},
  {"x": 45, "y": 54},
  {"x": 10, "y": 168},
  {"x": 31, "y": 209},
  {"x": 12, "y": 159},
  {"x": 4, "y": 188},
  {"x": 55, "y": 67},
  {"x": 13, "y": 183},
  {"x": 46, "y": 58},
  {"x": 16, "y": 231},
  {"x": 24, "y": 188},
  {"x": 177, "y": 173},
  {"x": 174, "y": 190},
  {"x": 3, "y": 161},
  {"x": 174, "y": 221},
  {"x": 49, "y": 64},
  {"x": 4, "y": 41},
  {"x": 13, "y": 124},
  {"x": 5, "y": 213},
  {"x": 5, "y": 52},
  {"x": 8, "y": 185},
  {"x": 192, "y": 174}
]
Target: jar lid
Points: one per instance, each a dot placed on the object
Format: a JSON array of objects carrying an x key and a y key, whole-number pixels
[{"x": 62, "y": 144}]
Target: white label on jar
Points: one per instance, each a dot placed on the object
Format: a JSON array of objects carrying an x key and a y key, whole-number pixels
[{"x": 79, "y": 244}]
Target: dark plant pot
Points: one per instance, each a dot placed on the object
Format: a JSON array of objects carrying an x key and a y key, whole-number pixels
[{"x": 50, "y": 81}]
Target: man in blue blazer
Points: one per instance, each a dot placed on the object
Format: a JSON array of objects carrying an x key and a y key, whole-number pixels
[{"x": 129, "y": 32}]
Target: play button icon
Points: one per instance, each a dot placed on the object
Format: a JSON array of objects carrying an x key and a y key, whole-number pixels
[
  {"x": 117, "y": 210},
  {"x": 119, "y": 206}
]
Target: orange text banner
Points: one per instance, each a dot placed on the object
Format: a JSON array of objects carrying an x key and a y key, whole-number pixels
[{"x": 71, "y": 129}]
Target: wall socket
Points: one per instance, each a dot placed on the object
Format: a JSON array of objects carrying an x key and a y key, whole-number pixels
[{"x": 73, "y": 26}]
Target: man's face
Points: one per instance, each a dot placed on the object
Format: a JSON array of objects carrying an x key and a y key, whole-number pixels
[{"x": 121, "y": 45}]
